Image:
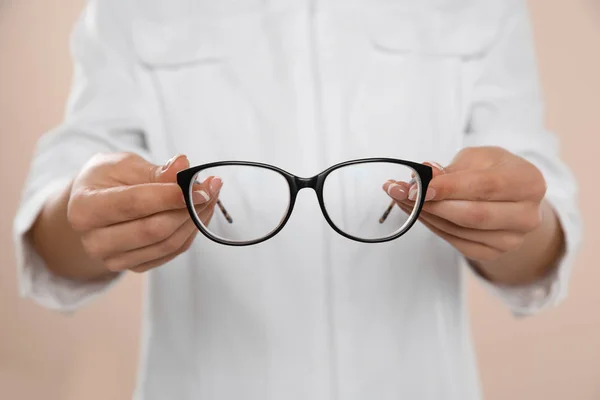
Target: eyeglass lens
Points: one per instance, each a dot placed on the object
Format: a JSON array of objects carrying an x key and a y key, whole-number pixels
[
  {"x": 252, "y": 202},
  {"x": 357, "y": 205}
]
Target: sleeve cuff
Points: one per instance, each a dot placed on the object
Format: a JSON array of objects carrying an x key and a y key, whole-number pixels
[
  {"x": 34, "y": 279},
  {"x": 552, "y": 289}
]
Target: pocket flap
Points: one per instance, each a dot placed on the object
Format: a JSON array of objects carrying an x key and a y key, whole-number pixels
[
  {"x": 176, "y": 42},
  {"x": 437, "y": 27}
]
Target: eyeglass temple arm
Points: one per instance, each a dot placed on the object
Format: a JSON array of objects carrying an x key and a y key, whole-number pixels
[
  {"x": 224, "y": 212},
  {"x": 387, "y": 212}
]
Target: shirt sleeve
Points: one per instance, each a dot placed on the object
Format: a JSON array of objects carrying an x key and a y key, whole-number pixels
[
  {"x": 507, "y": 111},
  {"x": 103, "y": 114}
]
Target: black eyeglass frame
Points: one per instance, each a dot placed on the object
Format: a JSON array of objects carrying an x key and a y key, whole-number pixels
[{"x": 295, "y": 183}]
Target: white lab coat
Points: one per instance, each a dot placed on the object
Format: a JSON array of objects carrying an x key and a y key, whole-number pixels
[{"x": 302, "y": 85}]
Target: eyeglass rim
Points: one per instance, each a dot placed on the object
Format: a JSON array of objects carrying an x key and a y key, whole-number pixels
[{"x": 295, "y": 183}]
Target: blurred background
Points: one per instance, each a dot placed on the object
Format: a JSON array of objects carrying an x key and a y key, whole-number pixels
[{"x": 92, "y": 354}]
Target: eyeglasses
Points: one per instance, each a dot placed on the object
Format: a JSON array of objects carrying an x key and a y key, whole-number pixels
[{"x": 260, "y": 199}]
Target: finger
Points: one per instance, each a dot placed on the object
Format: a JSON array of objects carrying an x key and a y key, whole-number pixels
[
  {"x": 397, "y": 190},
  {"x": 215, "y": 184},
  {"x": 108, "y": 241},
  {"x": 207, "y": 212},
  {"x": 209, "y": 189},
  {"x": 205, "y": 185},
  {"x": 142, "y": 171},
  {"x": 480, "y": 185},
  {"x": 99, "y": 208},
  {"x": 472, "y": 250},
  {"x": 154, "y": 263},
  {"x": 436, "y": 168},
  {"x": 519, "y": 217},
  {"x": 163, "y": 260},
  {"x": 132, "y": 169},
  {"x": 168, "y": 171},
  {"x": 412, "y": 187},
  {"x": 500, "y": 240},
  {"x": 134, "y": 258},
  {"x": 479, "y": 157}
]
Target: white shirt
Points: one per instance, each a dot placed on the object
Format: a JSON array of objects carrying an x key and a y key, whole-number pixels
[{"x": 303, "y": 85}]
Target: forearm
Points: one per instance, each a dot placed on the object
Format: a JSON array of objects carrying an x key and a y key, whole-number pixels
[
  {"x": 60, "y": 246},
  {"x": 536, "y": 258}
]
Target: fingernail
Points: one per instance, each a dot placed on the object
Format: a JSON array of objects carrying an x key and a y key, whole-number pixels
[
  {"x": 200, "y": 197},
  {"x": 215, "y": 185},
  {"x": 412, "y": 194},
  {"x": 436, "y": 165},
  {"x": 396, "y": 191},
  {"x": 430, "y": 195},
  {"x": 169, "y": 163}
]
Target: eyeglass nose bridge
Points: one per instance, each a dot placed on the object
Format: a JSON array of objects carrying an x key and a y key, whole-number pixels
[{"x": 302, "y": 183}]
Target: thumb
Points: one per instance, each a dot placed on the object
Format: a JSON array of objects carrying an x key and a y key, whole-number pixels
[
  {"x": 437, "y": 170},
  {"x": 167, "y": 173}
]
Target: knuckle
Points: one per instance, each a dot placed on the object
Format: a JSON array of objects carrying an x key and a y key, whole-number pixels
[
  {"x": 444, "y": 188},
  {"x": 155, "y": 229},
  {"x": 488, "y": 186},
  {"x": 188, "y": 244},
  {"x": 131, "y": 207},
  {"x": 467, "y": 152},
  {"x": 538, "y": 183},
  {"x": 481, "y": 155},
  {"x": 109, "y": 164},
  {"x": 77, "y": 216},
  {"x": 139, "y": 269},
  {"x": 92, "y": 246},
  {"x": 185, "y": 247},
  {"x": 77, "y": 220},
  {"x": 171, "y": 245},
  {"x": 125, "y": 158},
  {"x": 98, "y": 160},
  {"x": 105, "y": 161},
  {"x": 476, "y": 216},
  {"x": 539, "y": 189},
  {"x": 512, "y": 241},
  {"x": 114, "y": 265},
  {"x": 533, "y": 220},
  {"x": 488, "y": 255},
  {"x": 530, "y": 218}
]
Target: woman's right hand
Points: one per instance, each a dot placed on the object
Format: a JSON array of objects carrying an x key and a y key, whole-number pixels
[
  {"x": 131, "y": 214},
  {"x": 123, "y": 213}
]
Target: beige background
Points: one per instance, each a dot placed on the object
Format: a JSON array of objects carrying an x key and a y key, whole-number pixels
[{"x": 93, "y": 353}]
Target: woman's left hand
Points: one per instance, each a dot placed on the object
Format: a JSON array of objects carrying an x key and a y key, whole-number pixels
[{"x": 484, "y": 203}]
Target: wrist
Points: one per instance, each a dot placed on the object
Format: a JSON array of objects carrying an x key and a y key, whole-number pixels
[
  {"x": 60, "y": 246},
  {"x": 535, "y": 259}
]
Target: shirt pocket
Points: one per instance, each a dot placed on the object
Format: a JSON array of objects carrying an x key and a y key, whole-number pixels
[
  {"x": 409, "y": 94},
  {"x": 192, "y": 62},
  {"x": 180, "y": 32}
]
